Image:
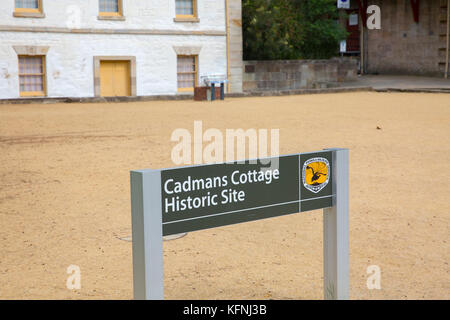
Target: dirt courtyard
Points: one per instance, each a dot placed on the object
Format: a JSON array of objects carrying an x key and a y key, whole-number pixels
[{"x": 65, "y": 198}]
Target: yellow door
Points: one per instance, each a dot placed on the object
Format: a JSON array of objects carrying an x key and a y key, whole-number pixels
[
  {"x": 115, "y": 78},
  {"x": 107, "y": 78},
  {"x": 122, "y": 78}
]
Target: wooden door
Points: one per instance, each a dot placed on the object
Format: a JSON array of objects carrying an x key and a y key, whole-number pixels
[
  {"x": 353, "y": 30},
  {"x": 115, "y": 78}
]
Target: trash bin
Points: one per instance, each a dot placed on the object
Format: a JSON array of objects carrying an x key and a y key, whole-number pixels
[{"x": 200, "y": 93}]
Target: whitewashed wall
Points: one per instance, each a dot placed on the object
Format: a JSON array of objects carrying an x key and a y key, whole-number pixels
[
  {"x": 139, "y": 14},
  {"x": 70, "y": 57}
]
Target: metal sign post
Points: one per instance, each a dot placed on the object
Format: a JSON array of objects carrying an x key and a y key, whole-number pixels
[
  {"x": 177, "y": 200},
  {"x": 147, "y": 235},
  {"x": 335, "y": 232}
]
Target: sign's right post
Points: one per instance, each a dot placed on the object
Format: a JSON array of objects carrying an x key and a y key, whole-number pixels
[{"x": 336, "y": 230}]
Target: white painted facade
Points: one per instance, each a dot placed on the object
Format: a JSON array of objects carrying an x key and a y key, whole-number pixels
[{"x": 70, "y": 58}]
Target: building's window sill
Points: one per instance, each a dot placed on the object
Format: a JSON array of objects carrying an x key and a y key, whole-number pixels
[
  {"x": 32, "y": 95},
  {"x": 19, "y": 14},
  {"x": 114, "y": 18},
  {"x": 186, "y": 19}
]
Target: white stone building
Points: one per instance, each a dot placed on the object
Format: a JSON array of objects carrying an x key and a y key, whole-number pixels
[{"x": 91, "y": 48}]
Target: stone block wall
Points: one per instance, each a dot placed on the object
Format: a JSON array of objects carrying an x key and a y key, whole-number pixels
[
  {"x": 283, "y": 75},
  {"x": 403, "y": 46}
]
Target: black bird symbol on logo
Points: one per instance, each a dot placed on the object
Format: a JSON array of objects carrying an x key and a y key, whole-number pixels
[{"x": 316, "y": 175}]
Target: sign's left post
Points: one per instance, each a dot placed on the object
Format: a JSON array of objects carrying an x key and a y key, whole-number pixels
[{"x": 146, "y": 219}]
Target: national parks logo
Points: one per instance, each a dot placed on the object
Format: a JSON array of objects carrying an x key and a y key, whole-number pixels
[{"x": 316, "y": 174}]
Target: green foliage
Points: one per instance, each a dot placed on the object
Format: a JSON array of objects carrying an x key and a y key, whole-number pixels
[
  {"x": 291, "y": 29},
  {"x": 268, "y": 30}
]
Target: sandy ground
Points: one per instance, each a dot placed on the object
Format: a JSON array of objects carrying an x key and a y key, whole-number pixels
[{"x": 64, "y": 198}]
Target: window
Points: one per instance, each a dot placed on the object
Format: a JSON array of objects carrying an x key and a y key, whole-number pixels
[
  {"x": 186, "y": 8},
  {"x": 28, "y": 5},
  {"x": 187, "y": 73},
  {"x": 32, "y": 75},
  {"x": 28, "y": 9},
  {"x": 110, "y": 7}
]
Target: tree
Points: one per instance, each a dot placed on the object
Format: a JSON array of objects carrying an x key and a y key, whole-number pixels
[
  {"x": 267, "y": 28},
  {"x": 320, "y": 30},
  {"x": 290, "y": 29}
]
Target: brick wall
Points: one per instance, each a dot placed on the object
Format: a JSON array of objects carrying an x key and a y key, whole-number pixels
[{"x": 297, "y": 74}]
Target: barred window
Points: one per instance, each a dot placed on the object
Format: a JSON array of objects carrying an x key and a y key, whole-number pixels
[
  {"x": 31, "y": 75},
  {"x": 186, "y": 72},
  {"x": 109, "y": 6},
  {"x": 185, "y": 7},
  {"x": 28, "y": 4}
]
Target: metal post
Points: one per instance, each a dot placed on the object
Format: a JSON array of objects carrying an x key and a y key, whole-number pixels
[
  {"x": 213, "y": 92},
  {"x": 335, "y": 232},
  {"x": 146, "y": 218},
  {"x": 222, "y": 91}
]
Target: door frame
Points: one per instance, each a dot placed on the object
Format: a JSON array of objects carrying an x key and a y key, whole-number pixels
[{"x": 130, "y": 59}]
